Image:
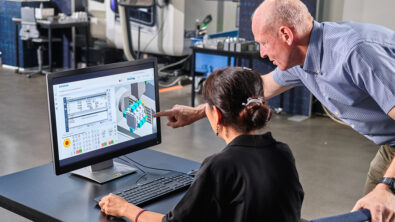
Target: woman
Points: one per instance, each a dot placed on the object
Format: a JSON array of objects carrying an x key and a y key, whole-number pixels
[{"x": 252, "y": 179}]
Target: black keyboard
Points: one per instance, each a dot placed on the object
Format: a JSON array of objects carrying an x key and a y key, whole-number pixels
[{"x": 155, "y": 188}]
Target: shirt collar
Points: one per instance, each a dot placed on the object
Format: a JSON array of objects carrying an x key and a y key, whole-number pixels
[
  {"x": 312, "y": 63},
  {"x": 253, "y": 140}
]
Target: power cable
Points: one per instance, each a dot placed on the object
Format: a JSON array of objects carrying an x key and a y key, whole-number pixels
[
  {"x": 176, "y": 63},
  {"x": 173, "y": 82},
  {"x": 157, "y": 33},
  {"x": 133, "y": 164},
  {"x": 154, "y": 168}
]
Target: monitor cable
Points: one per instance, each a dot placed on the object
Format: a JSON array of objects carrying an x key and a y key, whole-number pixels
[
  {"x": 133, "y": 164},
  {"x": 153, "y": 168},
  {"x": 144, "y": 173}
]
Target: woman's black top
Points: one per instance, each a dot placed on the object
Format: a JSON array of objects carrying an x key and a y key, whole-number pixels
[{"x": 253, "y": 179}]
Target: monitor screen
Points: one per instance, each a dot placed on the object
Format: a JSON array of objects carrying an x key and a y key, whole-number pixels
[{"x": 103, "y": 112}]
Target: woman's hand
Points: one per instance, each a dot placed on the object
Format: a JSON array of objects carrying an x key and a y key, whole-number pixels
[{"x": 114, "y": 205}]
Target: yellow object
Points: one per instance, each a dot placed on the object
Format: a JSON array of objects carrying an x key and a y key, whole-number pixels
[{"x": 66, "y": 142}]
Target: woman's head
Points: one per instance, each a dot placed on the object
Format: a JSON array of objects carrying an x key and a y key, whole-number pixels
[{"x": 228, "y": 90}]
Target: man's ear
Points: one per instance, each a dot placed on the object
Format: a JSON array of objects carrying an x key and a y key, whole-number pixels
[
  {"x": 286, "y": 35},
  {"x": 217, "y": 115}
]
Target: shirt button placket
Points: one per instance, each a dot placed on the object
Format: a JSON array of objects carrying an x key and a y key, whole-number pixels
[{"x": 317, "y": 72}]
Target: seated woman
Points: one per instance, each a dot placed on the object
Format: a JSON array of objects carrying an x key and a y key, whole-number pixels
[{"x": 252, "y": 179}]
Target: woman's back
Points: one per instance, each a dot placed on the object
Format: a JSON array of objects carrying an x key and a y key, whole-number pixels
[{"x": 253, "y": 179}]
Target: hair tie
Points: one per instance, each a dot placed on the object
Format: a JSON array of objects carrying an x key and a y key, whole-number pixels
[{"x": 251, "y": 100}]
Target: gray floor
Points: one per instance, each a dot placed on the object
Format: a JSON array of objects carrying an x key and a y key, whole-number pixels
[{"x": 332, "y": 159}]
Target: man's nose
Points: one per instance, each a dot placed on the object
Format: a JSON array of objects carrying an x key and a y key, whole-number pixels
[{"x": 263, "y": 53}]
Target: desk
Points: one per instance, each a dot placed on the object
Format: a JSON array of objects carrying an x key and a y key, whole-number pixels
[
  {"x": 39, "y": 195},
  {"x": 238, "y": 56},
  {"x": 46, "y": 24}
]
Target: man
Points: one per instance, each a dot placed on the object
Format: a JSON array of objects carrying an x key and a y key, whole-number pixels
[{"x": 349, "y": 67}]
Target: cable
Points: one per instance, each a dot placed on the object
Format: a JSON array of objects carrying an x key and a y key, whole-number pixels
[
  {"x": 174, "y": 64},
  {"x": 129, "y": 163},
  {"x": 140, "y": 178},
  {"x": 334, "y": 118},
  {"x": 173, "y": 82},
  {"x": 161, "y": 73},
  {"x": 157, "y": 33},
  {"x": 154, "y": 168},
  {"x": 144, "y": 173}
]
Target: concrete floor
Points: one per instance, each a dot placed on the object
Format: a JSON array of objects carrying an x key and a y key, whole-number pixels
[{"x": 332, "y": 159}]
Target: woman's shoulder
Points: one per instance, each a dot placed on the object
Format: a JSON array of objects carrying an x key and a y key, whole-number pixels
[{"x": 260, "y": 143}]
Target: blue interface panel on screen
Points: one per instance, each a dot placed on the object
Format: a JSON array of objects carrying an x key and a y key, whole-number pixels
[{"x": 103, "y": 113}]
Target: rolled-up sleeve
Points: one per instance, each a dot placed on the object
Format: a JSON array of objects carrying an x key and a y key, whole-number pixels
[{"x": 288, "y": 77}]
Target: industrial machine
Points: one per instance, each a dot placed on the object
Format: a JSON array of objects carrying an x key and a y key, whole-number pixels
[{"x": 159, "y": 25}]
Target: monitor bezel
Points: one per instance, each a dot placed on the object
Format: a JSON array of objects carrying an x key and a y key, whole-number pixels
[{"x": 107, "y": 156}]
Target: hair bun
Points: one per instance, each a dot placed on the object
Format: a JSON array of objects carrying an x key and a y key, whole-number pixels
[{"x": 254, "y": 115}]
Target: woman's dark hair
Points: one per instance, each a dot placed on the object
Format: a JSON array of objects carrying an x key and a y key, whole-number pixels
[{"x": 228, "y": 88}]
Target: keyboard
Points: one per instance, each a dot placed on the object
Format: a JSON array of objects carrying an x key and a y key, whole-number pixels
[{"x": 152, "y": 189}]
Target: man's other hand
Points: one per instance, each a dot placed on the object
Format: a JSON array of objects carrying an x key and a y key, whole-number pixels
[{"x": 381, "y": 203}]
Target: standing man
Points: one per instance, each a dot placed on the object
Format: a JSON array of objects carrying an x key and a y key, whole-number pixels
[{"x": 349, "y": 67}]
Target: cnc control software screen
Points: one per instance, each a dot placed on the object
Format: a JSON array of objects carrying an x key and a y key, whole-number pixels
[{"x": 97, "y": 113}]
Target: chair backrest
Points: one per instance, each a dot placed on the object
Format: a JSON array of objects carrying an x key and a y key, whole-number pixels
[
  {"x": 357, "y": 216},
  {"x": 29, "y": 28}
]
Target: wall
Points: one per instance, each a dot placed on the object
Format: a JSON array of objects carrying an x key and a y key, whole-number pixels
[
  {"x": 369, "y": 11},
  {"x": 229, "y": 16}
]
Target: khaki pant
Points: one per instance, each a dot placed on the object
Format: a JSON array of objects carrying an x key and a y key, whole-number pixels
[{"x": 379, "y": 166}]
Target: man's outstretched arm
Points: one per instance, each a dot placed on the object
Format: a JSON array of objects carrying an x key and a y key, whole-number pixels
[
  {"x": 271, "y": 88},
  {"x": 180, "y": 115}
]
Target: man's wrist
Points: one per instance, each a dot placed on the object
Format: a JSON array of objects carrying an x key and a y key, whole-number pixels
[
  {"x": 382, "y": 186},
  {"x": 387, "y": 183},
  {"x": 201, "y": 111}
]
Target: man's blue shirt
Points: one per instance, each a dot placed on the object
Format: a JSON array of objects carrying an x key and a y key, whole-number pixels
[{"x": 350, "y": 68}]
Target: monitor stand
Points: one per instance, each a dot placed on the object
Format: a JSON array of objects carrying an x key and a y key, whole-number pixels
[{"x": 105, "y": 171}]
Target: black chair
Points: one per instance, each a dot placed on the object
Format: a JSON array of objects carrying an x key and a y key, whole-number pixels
[{"x": 30, "y": 32}]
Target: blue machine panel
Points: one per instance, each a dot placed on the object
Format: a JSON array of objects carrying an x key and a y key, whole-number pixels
[{"x": 206, "y": 63}]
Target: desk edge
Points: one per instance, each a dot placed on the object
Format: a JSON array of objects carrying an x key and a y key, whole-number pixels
[{"x": 23, "y": 210}]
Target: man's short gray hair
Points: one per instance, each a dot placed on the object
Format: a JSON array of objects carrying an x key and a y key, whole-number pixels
[{"x": 293, "y": 13}]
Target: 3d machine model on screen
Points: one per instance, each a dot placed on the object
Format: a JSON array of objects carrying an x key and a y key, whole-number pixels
[{"x": 135, "y": 104}]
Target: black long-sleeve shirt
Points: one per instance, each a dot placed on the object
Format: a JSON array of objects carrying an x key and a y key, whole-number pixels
[{"x": 252, "y": 179}]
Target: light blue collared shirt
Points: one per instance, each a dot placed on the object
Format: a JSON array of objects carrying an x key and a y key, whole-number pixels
[{"x": 350, "y": 68}]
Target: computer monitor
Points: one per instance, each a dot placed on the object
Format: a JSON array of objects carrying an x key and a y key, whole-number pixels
[{"x": 99, "y": 113}]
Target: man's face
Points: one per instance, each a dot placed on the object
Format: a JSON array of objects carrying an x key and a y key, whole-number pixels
[{"x": 272, "y": 46}]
